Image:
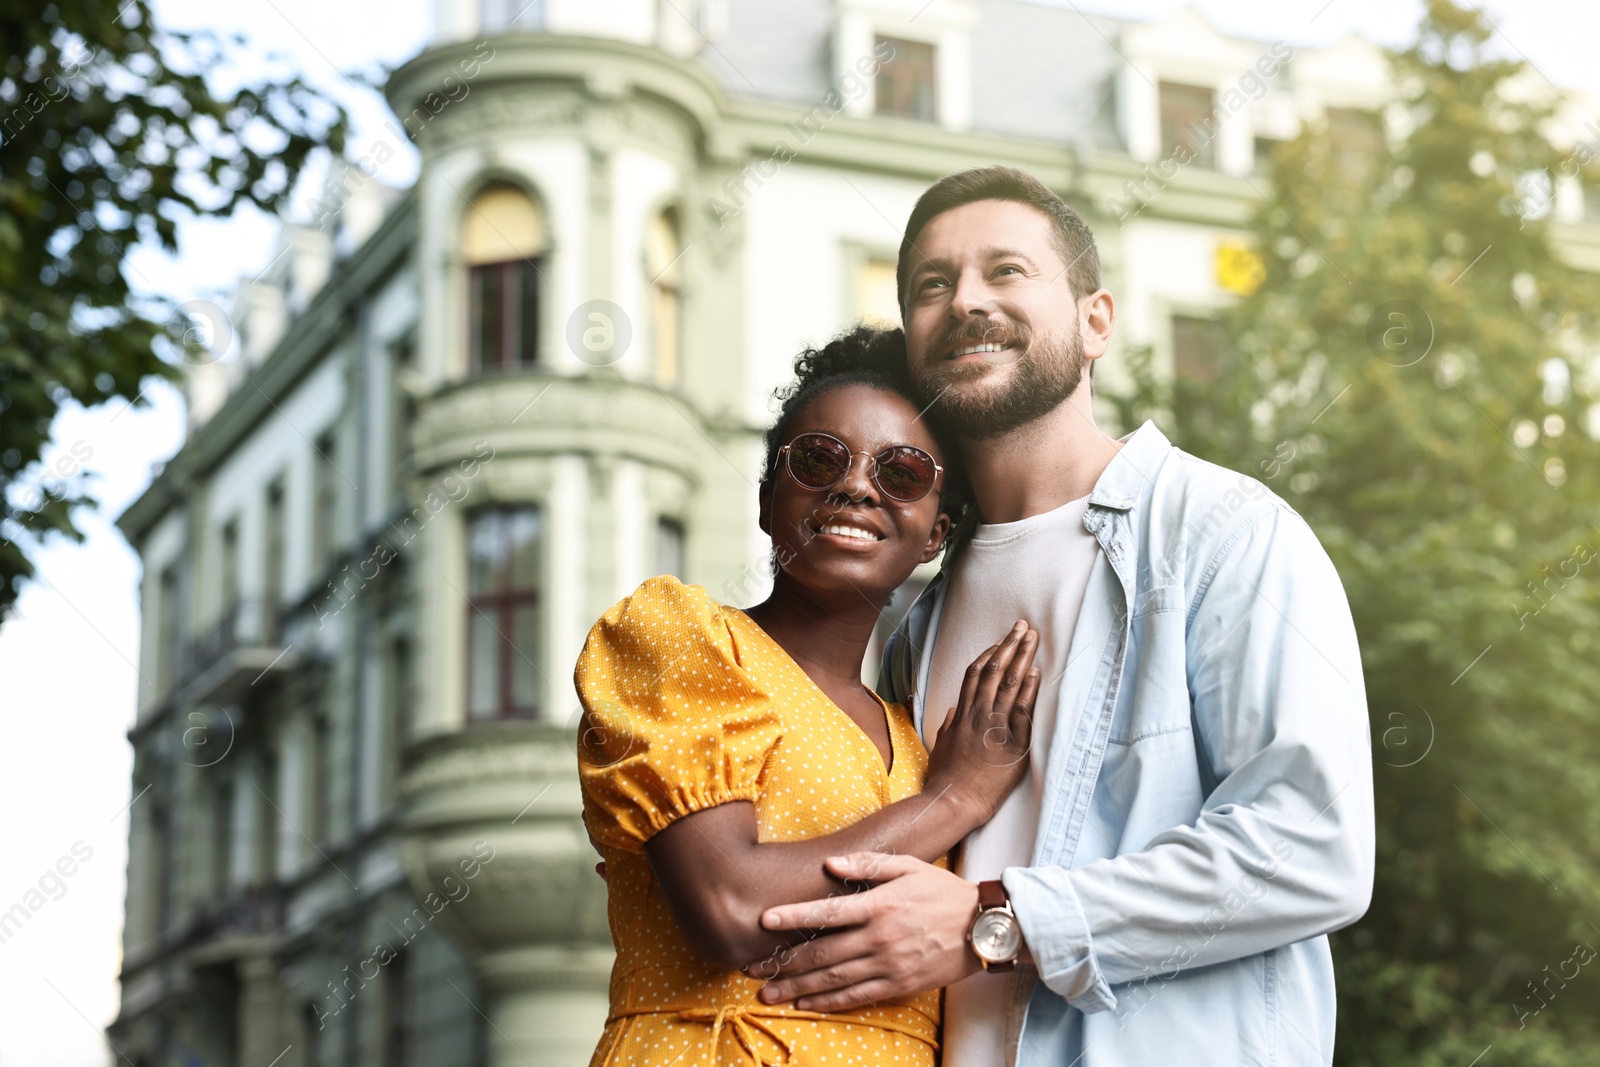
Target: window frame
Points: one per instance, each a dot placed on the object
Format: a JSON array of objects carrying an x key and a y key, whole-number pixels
[
  {"x": 864, "y": 263},
  {"x": 169, "y": 629},
  {"x": 324, "y": 501},
  {"x": 671, "y": 528},
  {"x": 499, "y": 607},
  {"x": 398, "y": 666},
  {"x": 402, "y": 411},
  {"x": 274, "y": 556},
  {"x": 665, "y": 285},
  {"x": 264, "y": 849},
  {"x": 1198, "y": 344},
  {"x": 1184, "y": 127},
  {"x": 229, "y": 579},
  {"x": 519, "y": 277},
  {"x": 1355, "y": 137},
  {"x": 397, "y": 1034},
  {"x": 898, "y": 73},
  {"x": 220, "y": 876}
]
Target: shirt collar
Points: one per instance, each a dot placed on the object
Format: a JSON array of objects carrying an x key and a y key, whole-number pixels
[{"x": 1129, "y": 471}]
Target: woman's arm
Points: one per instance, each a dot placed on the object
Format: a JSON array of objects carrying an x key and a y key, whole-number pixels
[{"x": 718, "y": 876}]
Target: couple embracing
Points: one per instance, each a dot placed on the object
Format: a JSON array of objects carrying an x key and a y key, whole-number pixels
[{"x": 1113, "y": 788}]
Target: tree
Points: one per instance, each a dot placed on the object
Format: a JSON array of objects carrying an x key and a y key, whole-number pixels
[
  {"x": 110, "y": 133},
  {"x": 1417, "y": 377}
]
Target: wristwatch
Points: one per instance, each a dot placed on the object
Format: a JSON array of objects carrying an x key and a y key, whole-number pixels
[{"x": 996, "y": 936}]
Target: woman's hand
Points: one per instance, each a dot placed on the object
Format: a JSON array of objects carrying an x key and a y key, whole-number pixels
[{"x": 982, "y": 748}]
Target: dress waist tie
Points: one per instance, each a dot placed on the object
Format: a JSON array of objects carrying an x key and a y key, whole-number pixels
[{"x": 745, "y": 1023}]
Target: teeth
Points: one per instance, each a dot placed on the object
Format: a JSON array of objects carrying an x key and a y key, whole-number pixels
[
  {"x": 850, "y": 531},
  {"x": 974, "y": 349}
]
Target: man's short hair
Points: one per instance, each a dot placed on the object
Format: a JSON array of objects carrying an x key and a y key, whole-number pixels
[{"x": 1071, "y": 235}]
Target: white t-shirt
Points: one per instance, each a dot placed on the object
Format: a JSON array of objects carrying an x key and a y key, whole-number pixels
[{"x": 1035, "y": 569}]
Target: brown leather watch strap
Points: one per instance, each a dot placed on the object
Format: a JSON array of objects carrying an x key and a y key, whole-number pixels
[{"x": 992, "y": 894}]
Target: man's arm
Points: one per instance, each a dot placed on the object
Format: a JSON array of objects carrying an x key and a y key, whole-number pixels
[
  {"x": 1282, "y": 850},
  {"x": 718, "y": 875}
]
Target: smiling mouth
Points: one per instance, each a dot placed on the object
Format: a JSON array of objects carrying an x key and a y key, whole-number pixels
[
  {"x": 855, "y": 533},
  {"x": 973, "y": 350}
]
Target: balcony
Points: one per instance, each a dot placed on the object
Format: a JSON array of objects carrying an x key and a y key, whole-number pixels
[
  {"x": 250, "y": 913},
  {"x": 242, "y": 649},
  {"x": 537, "y": 413},
  {"x": 501, "y": 800}
]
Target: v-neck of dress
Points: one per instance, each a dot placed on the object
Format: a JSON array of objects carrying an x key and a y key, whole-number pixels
[{"x": 888, "y": 716}]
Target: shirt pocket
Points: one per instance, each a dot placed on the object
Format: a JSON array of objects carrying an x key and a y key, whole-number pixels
[{"x": 1154, "y": 696}]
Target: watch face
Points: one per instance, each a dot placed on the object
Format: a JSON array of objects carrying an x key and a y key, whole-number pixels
[{"x": 996, "y": 936}]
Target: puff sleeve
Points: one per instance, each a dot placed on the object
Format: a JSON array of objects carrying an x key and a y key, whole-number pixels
[{"x": 672, "y": 724}]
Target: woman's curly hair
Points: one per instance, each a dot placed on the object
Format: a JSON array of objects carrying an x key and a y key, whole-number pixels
[{"x": 863, "y": 356}]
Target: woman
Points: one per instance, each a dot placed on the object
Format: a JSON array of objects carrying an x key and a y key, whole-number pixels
[{"x": 725, "y": 754}]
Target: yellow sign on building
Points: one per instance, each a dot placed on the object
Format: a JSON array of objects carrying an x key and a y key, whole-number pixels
[{"x": 1239, "y": 268}]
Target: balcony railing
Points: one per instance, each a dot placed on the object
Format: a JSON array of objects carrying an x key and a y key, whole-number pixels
[
  {"x": 241, "y": 648},
  {"x": 253, "y": 912}
]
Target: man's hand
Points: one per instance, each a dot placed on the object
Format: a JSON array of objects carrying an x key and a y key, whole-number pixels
[{"x": 905, "y": 935}]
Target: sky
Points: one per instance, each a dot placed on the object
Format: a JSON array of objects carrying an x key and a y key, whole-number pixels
[{"x": 68, "y": 675}]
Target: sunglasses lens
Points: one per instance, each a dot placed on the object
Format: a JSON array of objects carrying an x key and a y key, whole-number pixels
[
  {"x": 817, "y": 462},
  {"x": 905, "y": 473}
]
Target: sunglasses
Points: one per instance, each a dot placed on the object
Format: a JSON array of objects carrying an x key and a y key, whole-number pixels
[{"x": 818, "y": 461}]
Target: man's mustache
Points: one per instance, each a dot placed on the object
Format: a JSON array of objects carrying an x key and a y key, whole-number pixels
[{"x": 1008, "y": 335}]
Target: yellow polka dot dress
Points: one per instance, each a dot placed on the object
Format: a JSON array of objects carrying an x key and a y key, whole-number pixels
[{"x": 687, "y": 705}]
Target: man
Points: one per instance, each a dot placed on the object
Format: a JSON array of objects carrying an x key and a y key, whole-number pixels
[{"x": 1198, "y": 810}]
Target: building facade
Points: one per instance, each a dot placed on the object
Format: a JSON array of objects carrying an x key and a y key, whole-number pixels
[{"x": 449, "y": 427}]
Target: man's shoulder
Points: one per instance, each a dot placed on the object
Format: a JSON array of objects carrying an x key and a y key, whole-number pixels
[
  {"x": 1196, "y": 508},
  {"x": 1174, "y": 493}
]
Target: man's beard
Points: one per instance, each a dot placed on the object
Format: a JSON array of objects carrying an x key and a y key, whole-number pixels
[{"x": 1044, "y": 375}]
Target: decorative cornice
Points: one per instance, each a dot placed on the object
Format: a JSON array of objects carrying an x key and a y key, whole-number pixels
[
  {"x": 536, "y": 413},
  {"x": 488, "y": 753},
  {"x": 604, "y": 69}
]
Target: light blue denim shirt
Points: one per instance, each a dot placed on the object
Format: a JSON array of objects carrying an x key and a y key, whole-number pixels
[{"x": 1208, "y": 815}]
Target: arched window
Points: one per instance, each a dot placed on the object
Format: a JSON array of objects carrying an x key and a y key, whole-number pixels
[
  {"x": 662, "y": 253},
  {"x": 503, "y": 244}
]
